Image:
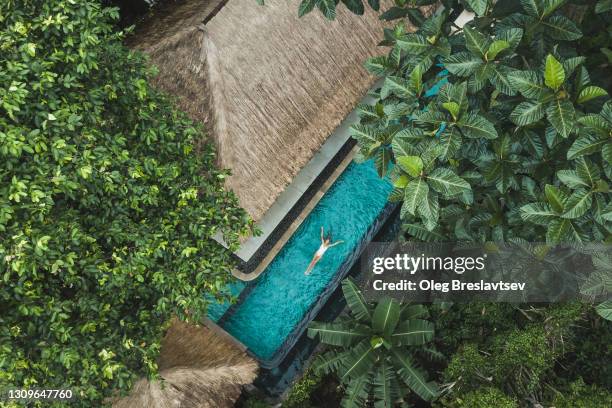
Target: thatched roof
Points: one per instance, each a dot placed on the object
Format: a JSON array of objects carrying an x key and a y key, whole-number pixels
[
  {"x": 200, "y": 368},
  {"x": 270, "y": 87}
]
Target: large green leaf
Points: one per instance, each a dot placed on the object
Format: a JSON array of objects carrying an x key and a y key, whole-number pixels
[
  {"x": 587, "y": 171},
  {"x": 397, "y": 86},
  {"x": 337, "y": 334},
  {"x": 534, "y": 8},
  {"x": 413, "y": 333},
  {"x": 328, "y": 8},
  {"x": 572, "y": 179},
  {"x": 495, "y": 48},
  {"x": 358, "y": 361},
  {"x": 578, "y": 204},
  {"x": 475, "y": 126},
  {"x": 356, "y": 394},
  {"x": 429, "y": 211},
  {"x": 555, "y": 198},
  {"x": 528, "y": 83},
  {"x": 355, "y": 6},
  {"x": 538, "y": 213},
  {"x": 527, "y": 113},
  {"x": 386, "y": 315},
  {"x": 413, "y": 43},
  {"x": 554, "y": 75},
  {"x": 413, "y": 377},
  {"x": 415, "y": 195},
  {"x": 385, "y": 390},
  {"x": 306, "y": 7},
  {"x": 585, "y": 145},
  {"x": 412, "y": 165},
  {"x": 561, "y": 28},
  {"x": 450, "y": 142},
  {"x": 605, "y": 309},
  {"x": 561, "y": 115},
  {"x": 364, "y": 134},
  {"x": 329, "y": 362},
  {"x": 445, "y": 182},
  {"x": 562, "y": 231},
  {"x": 355, "y": 301},
  {"x": 590, "y": 92},
  {"x": 476, "y": 42},
  {"x": 499, "y": 79},
  {"x": 462, "y": 64},
  {"x": 478, "y": 6}
]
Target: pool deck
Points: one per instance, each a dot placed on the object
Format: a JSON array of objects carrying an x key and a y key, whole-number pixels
[{"x": 297, "y": 222}]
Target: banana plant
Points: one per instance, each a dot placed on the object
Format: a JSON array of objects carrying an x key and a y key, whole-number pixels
[{"x": 374, "y": 350}]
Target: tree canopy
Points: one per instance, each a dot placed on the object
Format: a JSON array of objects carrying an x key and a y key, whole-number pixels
[{"x": 109, "y": 197}]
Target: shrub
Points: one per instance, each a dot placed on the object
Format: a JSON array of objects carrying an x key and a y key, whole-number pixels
[{"x": 107, "y": 207}]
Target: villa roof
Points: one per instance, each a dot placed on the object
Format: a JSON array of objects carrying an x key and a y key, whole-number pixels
[
  {"x": 269, "y": 86},
  {"x": 200, "y": 368}
]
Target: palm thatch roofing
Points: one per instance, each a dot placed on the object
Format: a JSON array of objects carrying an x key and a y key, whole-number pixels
[
  {"x": 200, "y": 368},
  {"x": 269, "y": 86}
]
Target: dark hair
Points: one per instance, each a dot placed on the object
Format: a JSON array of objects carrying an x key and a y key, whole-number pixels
[{"x": 328, "y": 236}]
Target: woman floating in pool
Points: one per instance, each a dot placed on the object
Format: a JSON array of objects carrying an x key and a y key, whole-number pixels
[{"x": 325, "y": 245}]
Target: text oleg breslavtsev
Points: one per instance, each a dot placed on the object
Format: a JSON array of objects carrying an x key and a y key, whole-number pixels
[{"x": 453, "y": 285}]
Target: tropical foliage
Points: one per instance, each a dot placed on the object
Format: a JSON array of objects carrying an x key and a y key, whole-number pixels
[
  {"x": 379, "y": 349},
  {"x": 108, "y": 201}
]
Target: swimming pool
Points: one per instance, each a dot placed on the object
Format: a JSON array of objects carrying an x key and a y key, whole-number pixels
[{"x": 276, "y": 304}]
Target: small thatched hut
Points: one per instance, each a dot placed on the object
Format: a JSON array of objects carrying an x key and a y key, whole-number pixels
[
  {"x": 270, "y": 87},
  {"x": 200, "y": 368}
]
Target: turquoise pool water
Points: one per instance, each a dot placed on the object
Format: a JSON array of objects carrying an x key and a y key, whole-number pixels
[{"x": 282, "y": 294}]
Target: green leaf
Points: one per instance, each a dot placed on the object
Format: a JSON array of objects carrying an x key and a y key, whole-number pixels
[
  {"x": 450, "y": 142},
  {"x": 462, "y": 64},
  {"x": 364, "y": 134},
  {"x": 561, "y": 115},
  {"x": 453, "y": 108},
  {"x": 562, "y": 231},
  {"x": 416, "y": 193},
  {"x": 358, "y": 360},
  {"x": 499, "y": 79},
  {"x": 527, "y": 113},
  {"x": 306, "y": 7},
  {"x": 585, "y": 145},
  {"x": 375, "y": 4},
  {"x": 337, "y": 334},
  {"x": 605, "y": 309},
  {"x": 429, "y": 211},
  {"x": 382, "y": 160},
  {"x": 476, "y": 42},
  {"x": 555, "y": 198},
  {"x": 355, "y": 6},
  {"x": 356, "y": 393},
  {"x": 561, "y": 28},
  {"x": 554, "y": 75},
  {"x": 445, "y": 182},
  {"x": 587, "y": 171},
  {"x": 534, "y": 8},
  {"x": 528, "y": 83},
  {"x": 355, "y": 301},
  {"x": 413, "y": 333},
  {"x": 571, "y": 179},
  {"x": 328, "y": 8},
  {"x": 410, "y": 311},
  {"x": 413, "y": 377},
  {"x": 590, "y": 92},
  {"x": 412, "y": 165},
  {"x": 495, "y": 48},
  {"x": 386, "y": 316},
  {"x": 478, "y": 6},
  {"x": 538, "y": 213},
  {"x": 413, "y": 43},
  {"x": 385, "y": 388},
  {"x": 397, "y": 86},
  {"x": 475, "y": 126},
  {"x": 578, "y": 204}
]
